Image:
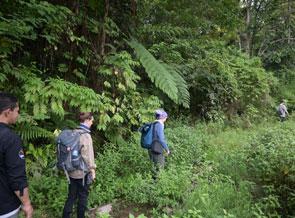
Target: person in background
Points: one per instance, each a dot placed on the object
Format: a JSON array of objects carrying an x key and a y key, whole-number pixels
[
  {"x": 14, "y": 191},
  {"x": 77, "y": 187},
  {"x": 159, "y": 145},
  {"x": 282, "y": 110}
]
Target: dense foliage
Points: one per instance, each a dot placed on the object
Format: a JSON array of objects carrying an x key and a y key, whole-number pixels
[
  {"x": 214, "y": 171},
  {"x": 228, "y": 63}
]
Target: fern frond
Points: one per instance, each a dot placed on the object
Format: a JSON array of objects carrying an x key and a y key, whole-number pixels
[
  {"x": 65, "y": 124},
  {"x": 29, "y": 132},
  {"x": 168, "y": 31},
  {"x": 183, "y": 92},
  {"x": 168, "y": 80},
  {"x": 2, "y": 77},
  {"x": 156, "y": 71}
]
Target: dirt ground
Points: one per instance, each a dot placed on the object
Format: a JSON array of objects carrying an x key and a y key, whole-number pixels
[{"x": 122, "y": 210}]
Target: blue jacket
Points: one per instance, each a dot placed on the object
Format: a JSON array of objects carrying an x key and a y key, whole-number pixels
[{"x": 159, "y": 130}]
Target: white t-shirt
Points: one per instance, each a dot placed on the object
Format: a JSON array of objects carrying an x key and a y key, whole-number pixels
[
  {"x": 14, "y": 212},
  {"x": 283, "y": 110}
]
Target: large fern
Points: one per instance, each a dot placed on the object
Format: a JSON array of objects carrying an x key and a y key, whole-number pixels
[
  {"x": 30, "y": 132},
  {"x": 183, "y": 93},
  {"x": 168, "y": 80}
]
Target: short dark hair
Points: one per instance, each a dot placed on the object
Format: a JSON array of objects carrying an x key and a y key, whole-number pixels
[
  {"x": 85, "y": 116},
  {"x": 7, "y": 101}
]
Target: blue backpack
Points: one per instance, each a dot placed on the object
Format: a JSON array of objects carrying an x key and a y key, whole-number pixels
[{"x": 146, "y": 139}]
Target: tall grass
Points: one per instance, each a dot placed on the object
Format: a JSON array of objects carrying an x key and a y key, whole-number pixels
[{"x": 213, "y": 171}]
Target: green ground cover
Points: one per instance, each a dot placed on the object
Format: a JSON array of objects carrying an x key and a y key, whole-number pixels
[{"x": 213, "y": 171}]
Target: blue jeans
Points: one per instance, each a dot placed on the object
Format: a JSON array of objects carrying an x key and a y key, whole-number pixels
[{"x": 76, "y": 191}]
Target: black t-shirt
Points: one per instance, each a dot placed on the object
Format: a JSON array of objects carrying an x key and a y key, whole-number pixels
[{"x": 12, "y": 169}]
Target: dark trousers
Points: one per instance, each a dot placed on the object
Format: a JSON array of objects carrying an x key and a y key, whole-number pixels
[
  {"x": 282, "y": 119},
  {"x": 76, "y": 191},
  {"x": 158, "y": 163}
]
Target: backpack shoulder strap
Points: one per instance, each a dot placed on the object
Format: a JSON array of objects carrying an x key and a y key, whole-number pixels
[
  {"x": 154, "y": 131},
  {"x": 78, "y": 130},
  {"x": 81, "y": 131}
]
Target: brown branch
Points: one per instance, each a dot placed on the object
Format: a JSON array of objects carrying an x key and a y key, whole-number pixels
[
  {"x": 103, "y": 32},
  {"x": 277, "y": 40},
  {"x": 133, "y": 7}
]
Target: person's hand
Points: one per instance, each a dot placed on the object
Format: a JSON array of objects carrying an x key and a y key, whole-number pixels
[
  {"x": 168, "y": 152},
  {"x": 92, "y": 171},
  {"x": 28, "y": 210}
]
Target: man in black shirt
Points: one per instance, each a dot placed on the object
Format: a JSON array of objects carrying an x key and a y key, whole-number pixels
[{"x": 14, "y": 192}]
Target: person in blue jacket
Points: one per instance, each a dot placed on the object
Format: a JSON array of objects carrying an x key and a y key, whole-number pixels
[{"x": 159, "y": 145}]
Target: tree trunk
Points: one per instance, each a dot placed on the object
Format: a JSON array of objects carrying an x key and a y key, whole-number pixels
[
  {"x": 289, "y": 21},
  {"x": 248, "y": 38},
  {"x": 133, "y": 7},
  {"x": 103, "y": 32}
]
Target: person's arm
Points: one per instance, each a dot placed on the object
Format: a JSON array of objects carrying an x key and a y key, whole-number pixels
[
  {"x": 16, "y": 171},
  {"x": 286, "y": 110},
  {"x": 87, "y": 152},
  {"x": 26, "y": 203},
  {"x": 161, "y": 137}
]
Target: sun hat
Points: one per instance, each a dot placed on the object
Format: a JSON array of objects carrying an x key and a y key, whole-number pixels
[{"x": 160, "y": 114}]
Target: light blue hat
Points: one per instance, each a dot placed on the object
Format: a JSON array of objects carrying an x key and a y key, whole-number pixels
[{"x": 160, "y": 114}]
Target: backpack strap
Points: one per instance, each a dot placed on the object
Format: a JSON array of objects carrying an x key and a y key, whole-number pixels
[
  {"x": 81, "y": 133},
  {"x": 83, "y": 130},
  {"x": 154, "y": 131},
  {"x": 67, "y": 174},
  {"x": 84, "y": 162}
]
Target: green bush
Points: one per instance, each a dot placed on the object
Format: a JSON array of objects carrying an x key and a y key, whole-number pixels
[
  {"x": 114, "y": 167},
  {"x": 271, "y": 163},
  {"x": 186, "y": 145},
  {"x": 48, "y": 193},
  {"x": 213, "y": 171},
  {"x": 172, "y": 186},
  {"x": 218, "y": 198},
  {"x": 262, "y": 156},
  {"x": 137, "y": 188}
]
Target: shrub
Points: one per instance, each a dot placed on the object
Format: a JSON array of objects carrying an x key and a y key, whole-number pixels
[
  {"x": 271, "y": 164},
  {"x": 218, "y": 198},
  {"x": 49, "y": 194},
  {"x": 172, "y": 186}
]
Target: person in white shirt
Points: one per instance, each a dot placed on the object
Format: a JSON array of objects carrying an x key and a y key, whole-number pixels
[{"x": 282, "y": 110}]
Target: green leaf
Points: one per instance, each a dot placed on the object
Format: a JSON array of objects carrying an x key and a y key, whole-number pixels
[
  {"x": 62, "y": 68},
  {"x": 169, "y": 83}
]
